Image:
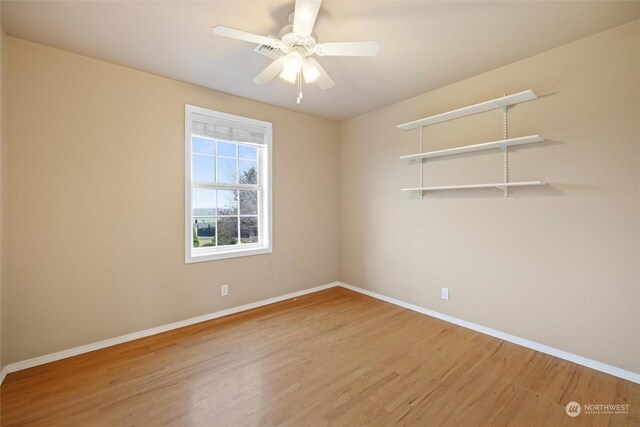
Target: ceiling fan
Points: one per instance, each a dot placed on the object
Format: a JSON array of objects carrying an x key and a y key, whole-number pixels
[{"x": 294, "y": 49}]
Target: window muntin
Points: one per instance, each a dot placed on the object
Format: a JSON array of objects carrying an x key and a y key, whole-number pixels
[{"x": 228, "y": 207}]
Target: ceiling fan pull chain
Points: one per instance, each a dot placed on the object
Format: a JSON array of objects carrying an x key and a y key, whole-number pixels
[
  {"x": 300, "y": 83},
  {"x": 299, "y": 86}
]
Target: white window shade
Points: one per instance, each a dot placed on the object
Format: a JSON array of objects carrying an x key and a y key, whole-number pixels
[{"x": 228, "y": 130}]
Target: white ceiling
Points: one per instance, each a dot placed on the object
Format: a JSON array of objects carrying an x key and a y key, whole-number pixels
[{"x": 424, "y": 45}]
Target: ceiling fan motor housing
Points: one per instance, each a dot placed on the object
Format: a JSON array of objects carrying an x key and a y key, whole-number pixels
[{"x": 292, "y": 42}]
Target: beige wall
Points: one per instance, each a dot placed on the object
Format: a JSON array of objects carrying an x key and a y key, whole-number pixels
[
  {"x": 94, "y": 203},
  {"x": 558, "y": 265},
  {"x": 2, "y": 131}
]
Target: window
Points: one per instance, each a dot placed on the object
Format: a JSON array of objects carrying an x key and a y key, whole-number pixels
[{"x": 227, "y": 185}]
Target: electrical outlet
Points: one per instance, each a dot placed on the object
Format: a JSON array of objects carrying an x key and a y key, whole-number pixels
[
  {"x": 445, "y": 293},
  {"x": 224, "y": 290}
]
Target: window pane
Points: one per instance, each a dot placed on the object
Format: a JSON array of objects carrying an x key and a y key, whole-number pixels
[
  {"x": 249, "y": 229},
  {"x": 203, "y": 202},
  {"x": 204, "y": 231},
  {"x": 248, "y": 172},
  {"x": 227, "y": 202},
  {"x": 202, "y": 146},
  {"x": 247, "y": 152},
  {"x": 203, "y": 168},
  {"x": 227, "y": 171},
  {"x": 248, "y": 202},
  {"x": 227, "y": 149},
  {"x": 228, "y": 231},
  {"x": 203, "y": 211}
]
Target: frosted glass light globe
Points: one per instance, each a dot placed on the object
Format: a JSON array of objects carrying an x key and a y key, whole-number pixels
[{"x": 293, "y": 63}]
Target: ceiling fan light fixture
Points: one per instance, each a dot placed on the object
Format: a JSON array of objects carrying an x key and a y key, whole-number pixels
[
  {"x": 293, "y": 63},
  {"x": 289, "y": 75},
  {"x": 310, "y": 71}
]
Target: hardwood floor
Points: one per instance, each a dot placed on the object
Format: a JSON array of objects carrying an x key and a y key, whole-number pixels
[{"x": 330, "y": 358}]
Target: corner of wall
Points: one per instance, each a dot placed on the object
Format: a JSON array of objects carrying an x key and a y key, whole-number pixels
[
  {"x": 339, "y": 170},
  {"x": 2, "y": 139}
]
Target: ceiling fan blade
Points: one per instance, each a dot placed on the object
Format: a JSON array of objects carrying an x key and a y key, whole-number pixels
[
  {"x": 304, "y": 17},
  {"x": 232, "y": 33},
  {"x": 348, "y": 49},
  {"x": 270, "y": 72},
  {"x": 323, "y": 80}
]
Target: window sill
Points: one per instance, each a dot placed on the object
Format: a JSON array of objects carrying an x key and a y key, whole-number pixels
[{"x": 212, "y": 256}]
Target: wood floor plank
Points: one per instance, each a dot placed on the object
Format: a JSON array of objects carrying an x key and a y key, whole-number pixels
[{"x": 332, "y": 358}]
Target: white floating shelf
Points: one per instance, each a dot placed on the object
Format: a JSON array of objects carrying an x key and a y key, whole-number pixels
[
  {"x": 500, "y": 185},
  {"x": 477, "y": 147},
  {"x": 504, "y": 101}
]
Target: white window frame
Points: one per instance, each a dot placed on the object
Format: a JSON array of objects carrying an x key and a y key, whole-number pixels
[{"x": 265, "y": 243}]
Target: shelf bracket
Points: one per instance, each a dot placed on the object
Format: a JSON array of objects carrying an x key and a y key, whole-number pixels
[
  {"x": 505, "y": 151},
  {"x": 421, "y": 161}
]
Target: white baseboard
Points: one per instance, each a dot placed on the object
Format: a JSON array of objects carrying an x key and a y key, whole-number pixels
[
  {"x": 41, "y": 360},
  {"x": 3, "y": 373},
  {"x": 589, "y": 363}
]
